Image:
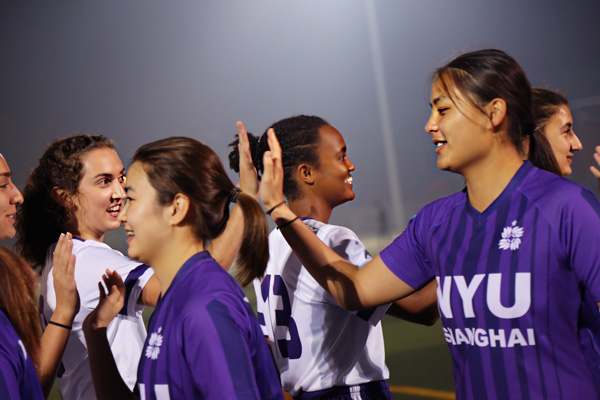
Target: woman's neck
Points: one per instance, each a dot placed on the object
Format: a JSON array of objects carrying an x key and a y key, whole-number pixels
[
  {"x": 167, "y": 263},
  {"x": 488, "y": 179},
  {"x": 311, "y": 207}
]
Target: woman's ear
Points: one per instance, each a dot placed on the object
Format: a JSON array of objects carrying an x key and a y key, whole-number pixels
[
  {"x": 497, "y": 112},
  {"x": 60, "y": 196},
  {"x": 305, "y": 174},
  {"x": 178, "y": 209}
]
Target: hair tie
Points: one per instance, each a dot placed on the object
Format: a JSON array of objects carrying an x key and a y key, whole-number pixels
[{"x": 232, "y": 198}]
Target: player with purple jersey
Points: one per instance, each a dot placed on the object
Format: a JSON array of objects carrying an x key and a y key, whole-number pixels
[
  {"x": 204, "y": 340},
  {"x": 23, "y": 353},
  {"x": 508, "y": 284},
  {"x": 552, "y": 115},
  {"x": 510, "y": 252},
  {"x": 18, "y": 379},
  {"x": 204, "y": 301}
]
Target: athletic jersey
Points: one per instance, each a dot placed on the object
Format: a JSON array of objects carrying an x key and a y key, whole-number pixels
[
  {"x": 205, "y": 341},
  {"x": 126, "y": 333},
  {"x": 317, "y": 344},
  {"x": 509, "y": 282},
  {"x": 18, "y": 379}
]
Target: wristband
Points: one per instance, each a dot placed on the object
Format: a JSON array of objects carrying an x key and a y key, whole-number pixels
[
  {"x": 274, "y": 207},
  {"x": 61, "y": 325},
  {"x": 287, "y": 223}
]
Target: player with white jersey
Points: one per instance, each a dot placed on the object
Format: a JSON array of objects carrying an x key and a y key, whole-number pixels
[
  {"x": 205, "y": 341},
  {"x": 321, "y": 350},
  {"x": 92, "y": 260},
  {"x": 78, "y": 186},
  {"x": 318, "y": 345},
  {"x": 510, "y": 252}
]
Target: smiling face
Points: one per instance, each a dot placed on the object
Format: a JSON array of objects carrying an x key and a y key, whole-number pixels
[
  {"x": 10, "y": 198},
  {"x": 461, "y": 132},
  {"x": 563, "y": 140},
  {"x": 146, "y": 222},
  {"x": 332, "y": 180},
  {"x": 100, "y": 195}
]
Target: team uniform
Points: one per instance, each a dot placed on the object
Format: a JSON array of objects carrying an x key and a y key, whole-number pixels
[
  {"x": 321, "y": 350},
  {"x": 509, "y": 284},
  {"x": 205, "y": 341},
  {"x": 126, "y": 333},
  {"x": 18, "y": 379}
]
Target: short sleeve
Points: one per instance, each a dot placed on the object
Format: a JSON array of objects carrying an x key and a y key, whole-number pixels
[
  {"x": 406, "y": 257},
  {"x": 580, "y": 232},
  {"x": 347, "y": 245}
]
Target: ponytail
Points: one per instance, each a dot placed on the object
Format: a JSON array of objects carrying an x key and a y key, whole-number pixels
[
  {"x": 253, "y": 255},
  {"x": 185, "y": 165}
]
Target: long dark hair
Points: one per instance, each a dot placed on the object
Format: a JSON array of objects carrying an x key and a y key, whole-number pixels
[
  {"x": 41, "y": 219},
  {"x": 484, "y": 75},
  {"x": 298, "y": 137},
  {"x": 185, "y": 165},
  {"x": 17, "y": 300}
]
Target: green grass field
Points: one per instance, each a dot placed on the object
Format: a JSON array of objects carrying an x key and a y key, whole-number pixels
[{"x": 417, "y": 356}]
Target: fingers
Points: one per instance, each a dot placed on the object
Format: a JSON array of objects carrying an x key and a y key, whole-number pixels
[
  {"x": 274, "y": 145},
  {"x": 248, "y": 175},
  {"x": 113, "y": 279},
  {"x": 595, "y": 171},
  {"x": 597, "y": 156},
  {"x": 271, "y": 188},
  {"x": 101, "y": 290},
  {"x": 243, "y": 143},
  {"x": 63, "y": 261}
]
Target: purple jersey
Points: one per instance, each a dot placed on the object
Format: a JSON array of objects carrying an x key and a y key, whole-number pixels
[
  {"x": 204, "y": 341},
  {"x": 18, "y": 379},
  {"x": 509, "y": 284}
]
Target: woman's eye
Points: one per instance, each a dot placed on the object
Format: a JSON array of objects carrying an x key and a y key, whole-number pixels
[
  {"x": 122, "y": 178},
  {"x": 441, "y": 111}
]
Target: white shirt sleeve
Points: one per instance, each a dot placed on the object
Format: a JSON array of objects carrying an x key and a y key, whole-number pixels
[{"x": 347, "y": 245}]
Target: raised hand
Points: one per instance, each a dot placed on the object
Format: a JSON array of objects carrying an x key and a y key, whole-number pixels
[
  {"x": 248, "y": 175},
  {"x": 63, "y": 274},
  {"x": 271, "y": 186},
  {"x": 595, "y": 170},
  {"x": 110, "y": 304}
]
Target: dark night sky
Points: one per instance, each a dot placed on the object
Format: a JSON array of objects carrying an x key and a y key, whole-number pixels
[{"x": 139, "y": 70}]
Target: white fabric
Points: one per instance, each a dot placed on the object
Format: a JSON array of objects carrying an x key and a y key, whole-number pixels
[
  {"x": 126, "y": 333},
  {"x": 338, "y": 347}
]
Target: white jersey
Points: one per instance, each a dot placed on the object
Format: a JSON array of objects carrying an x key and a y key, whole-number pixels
[
  {"x": 126, "y": 333},
  {"x": 317, "y": 344}
]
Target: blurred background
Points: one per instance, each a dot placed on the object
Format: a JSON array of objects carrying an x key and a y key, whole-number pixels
[{"x": 137, "y": 71}]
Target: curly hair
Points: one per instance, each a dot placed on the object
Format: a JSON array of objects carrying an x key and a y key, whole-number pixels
[
  {"x": 41, "y": 219},
  {"x": 17, "y": 300},
  {"x": 299, "y": 139},
  {"x": 185, "y": 165}
]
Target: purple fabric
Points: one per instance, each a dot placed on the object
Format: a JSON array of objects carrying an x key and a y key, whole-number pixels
[
  {"x": 509, "y": 284},
  {"x": 18, "y": 379},
  {"x": 204, "y": 341}
]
